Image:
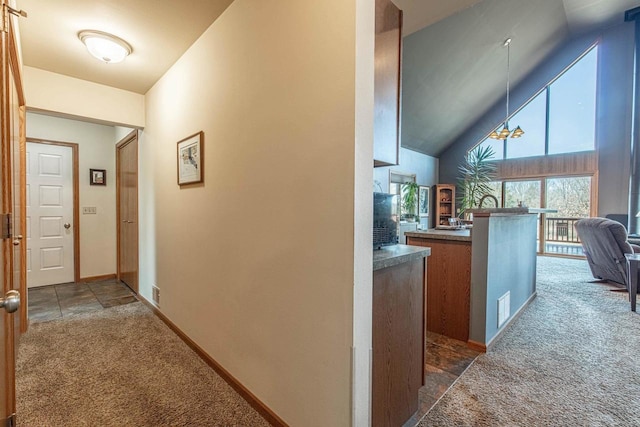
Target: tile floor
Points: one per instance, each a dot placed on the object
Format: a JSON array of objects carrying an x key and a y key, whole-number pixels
[
  {"x": 56, "y": 301},
  {"x": 446, "y": 359}
]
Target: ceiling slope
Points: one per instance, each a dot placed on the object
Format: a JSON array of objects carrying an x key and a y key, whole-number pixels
[
  {"x": 159, "y": 31},
  {"x": 422, "y": 13},
  {"x": 455, "y": 69}
]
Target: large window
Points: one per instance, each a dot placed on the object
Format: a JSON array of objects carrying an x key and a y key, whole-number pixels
[
  {"x": 560, "y": 119},
  {"x": 570, "y": 196},
  {"x": 533, "y": 119},
  {"x": 572, "y": 107},
  {"x": 522, "y": 193}
]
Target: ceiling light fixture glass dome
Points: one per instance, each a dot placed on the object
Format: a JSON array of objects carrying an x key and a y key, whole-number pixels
[{"x": 104, "y": 46}]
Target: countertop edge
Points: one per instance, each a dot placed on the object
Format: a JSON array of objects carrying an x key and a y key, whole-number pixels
[
  {"x": 390, "y": 256},
  {"x": 442, "y": 235},
  {"x": 484, "y": 212}
]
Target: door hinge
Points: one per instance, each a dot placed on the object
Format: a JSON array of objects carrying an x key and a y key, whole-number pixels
[
  {"x": 5, "y": 17},
  {"x": 11, "y": 421},
  {"x": 6, "y": 10},
  {"x": 6, "y": 225}
]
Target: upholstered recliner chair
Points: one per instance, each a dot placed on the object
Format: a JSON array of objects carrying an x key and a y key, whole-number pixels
[{"x": 604, "y": 242}]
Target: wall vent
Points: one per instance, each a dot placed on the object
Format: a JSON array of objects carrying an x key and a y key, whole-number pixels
[
  {"x": 155, "y": 295},
  {"x": 504, "y": 308}
]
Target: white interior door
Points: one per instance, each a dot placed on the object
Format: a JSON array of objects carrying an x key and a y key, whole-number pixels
[{"x": 49, "y": 214}]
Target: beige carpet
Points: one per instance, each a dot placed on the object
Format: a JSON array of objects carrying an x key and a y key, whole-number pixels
[
  {"x": 572, "y": 359},
  {"x": 120, "y": 367}
]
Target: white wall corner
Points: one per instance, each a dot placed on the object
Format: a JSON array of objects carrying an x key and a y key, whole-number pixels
[{"x": 363, "y": 215}]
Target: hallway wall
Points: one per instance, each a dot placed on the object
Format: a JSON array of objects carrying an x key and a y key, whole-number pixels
[
  {"x": 96, "y": 150},
  {"x": 256, "y": 264}
]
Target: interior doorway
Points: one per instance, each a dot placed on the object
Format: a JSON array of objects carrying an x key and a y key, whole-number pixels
[
  {"x": 127, "y": 209},
  {"x": 52, "y": 224}
]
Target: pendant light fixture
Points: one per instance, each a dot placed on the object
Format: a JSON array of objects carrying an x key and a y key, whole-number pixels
[
  {"x": 505, "y": 132},
  {"x": 104, "y": 46}
]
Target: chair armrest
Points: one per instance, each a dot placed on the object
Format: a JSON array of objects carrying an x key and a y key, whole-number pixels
[{"x": 636, "y": 248}]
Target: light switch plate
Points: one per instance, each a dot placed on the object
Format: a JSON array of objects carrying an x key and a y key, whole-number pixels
[{"x": 89, "y": 210}]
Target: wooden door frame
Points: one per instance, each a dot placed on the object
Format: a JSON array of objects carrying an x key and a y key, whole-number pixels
[
  {"x": 76, "y": 200},
  {"x": 24, "y": 320},
  {"x": 132, "y": 137},
  {"x": 10, "y": 69},
  {"x": 17, "y": 72}
]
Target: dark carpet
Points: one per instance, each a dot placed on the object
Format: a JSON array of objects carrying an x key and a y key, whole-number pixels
[
  {"x": 571, "y": 359},
  {"x": 120, "y": 366}
]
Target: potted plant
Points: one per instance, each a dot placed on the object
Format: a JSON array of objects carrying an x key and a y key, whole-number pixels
[
  {"x": 409, "y": 200},
  {"x": 476, "y": 172}
]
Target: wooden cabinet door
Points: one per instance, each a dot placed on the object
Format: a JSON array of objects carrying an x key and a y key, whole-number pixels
[
  {"x": 398, "y": 342},
  {"x": 387, "y": 75}
]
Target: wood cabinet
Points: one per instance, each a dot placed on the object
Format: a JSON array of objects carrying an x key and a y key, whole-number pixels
[
  {"x": 398, "y": 342},
  {"x": 388, "y": 56},
  {"x": 445, "y": 202},
  {"x": 448, "y": 294}
]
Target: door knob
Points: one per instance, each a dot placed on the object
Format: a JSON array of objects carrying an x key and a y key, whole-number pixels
[
  {"x": 16, "y": 242},
  {"x": 11, "y": 301},
  {"x": 67, "y": 226}
]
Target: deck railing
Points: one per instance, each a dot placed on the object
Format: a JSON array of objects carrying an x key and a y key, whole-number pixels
[{"x": 562, "y": 230}]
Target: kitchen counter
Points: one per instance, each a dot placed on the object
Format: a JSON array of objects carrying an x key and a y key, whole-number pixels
[
  {"x": 389, "y": 256},
  {"x": 476, "y": 286},
  {"x": 458, "y": 235}
]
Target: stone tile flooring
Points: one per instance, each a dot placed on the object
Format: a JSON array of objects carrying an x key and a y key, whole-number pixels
[
  {"x": 56, "y": 301},
  {"x": 446, "y": 359}
]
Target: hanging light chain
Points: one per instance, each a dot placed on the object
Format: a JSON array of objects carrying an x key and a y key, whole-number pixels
[
  {"x": 505, "y": 132},
  {"x": 508, "y": 44}
]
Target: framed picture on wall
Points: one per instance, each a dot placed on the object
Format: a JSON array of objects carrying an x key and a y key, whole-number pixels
[
  {"x": 97, "y": 177},
  {"x": 191, "y": 159},
  {"x": 423, "y": 201}
]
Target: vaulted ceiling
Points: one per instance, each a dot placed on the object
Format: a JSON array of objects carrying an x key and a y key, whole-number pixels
[
  {"x": 454, "y": 60},
  {"x": 160, "y": 31},
  {"x": 454, "y": 70}
]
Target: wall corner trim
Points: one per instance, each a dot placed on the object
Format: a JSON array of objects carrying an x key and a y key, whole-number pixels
[{"x": 255, "y": 403}]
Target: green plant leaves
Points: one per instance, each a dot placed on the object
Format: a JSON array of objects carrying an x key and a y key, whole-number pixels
[
  {"x": 410, "y": 198},
  {"x": 476, "y": 172}
]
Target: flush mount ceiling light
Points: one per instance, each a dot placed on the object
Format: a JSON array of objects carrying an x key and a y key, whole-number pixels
[
  {"x": 104, "y": 46},
  {"x": 505, "y": 132}
]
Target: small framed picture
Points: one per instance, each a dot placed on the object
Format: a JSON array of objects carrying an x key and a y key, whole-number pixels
[
  {"x": 191, "y": 159},
  {"x": 97, "y": 177},
  {"x": 423, "y": 201}
]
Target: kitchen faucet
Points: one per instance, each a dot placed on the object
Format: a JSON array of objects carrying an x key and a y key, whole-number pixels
[{"x": 490, "y": 196}]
